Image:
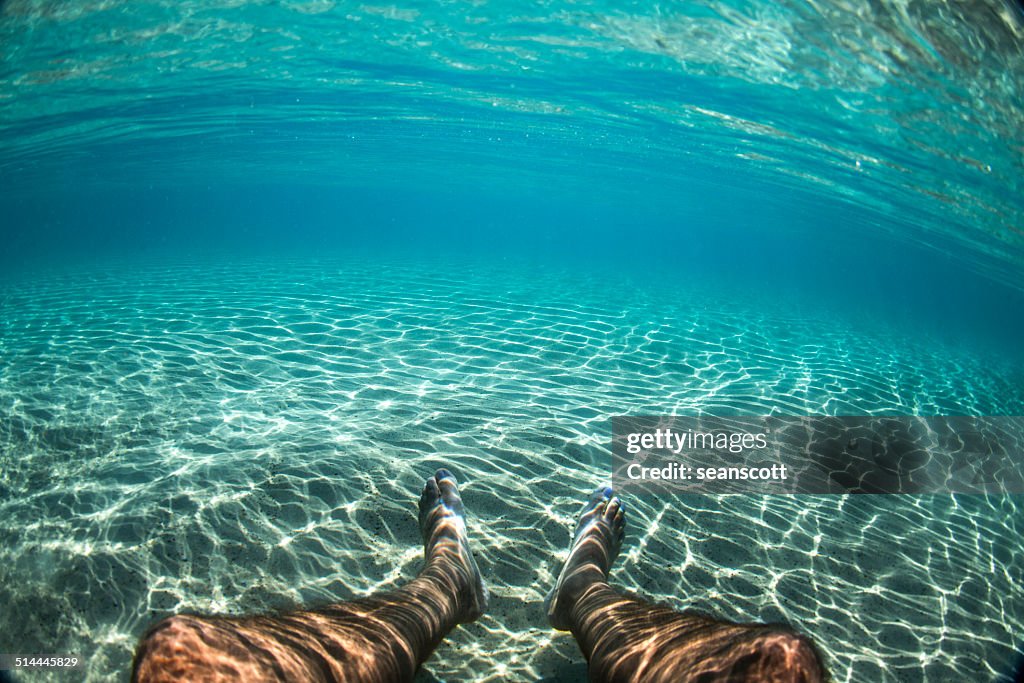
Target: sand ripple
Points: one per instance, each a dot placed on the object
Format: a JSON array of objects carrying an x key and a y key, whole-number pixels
[{"x": 249, "y": 436}]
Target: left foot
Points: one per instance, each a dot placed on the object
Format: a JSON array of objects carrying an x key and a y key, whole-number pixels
[{"x": 443, "y": 524}]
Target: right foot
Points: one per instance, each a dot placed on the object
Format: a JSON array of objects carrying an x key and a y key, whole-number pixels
[
  {"x": 445, "y": 542},
  {"x": 595, "y": 546}
]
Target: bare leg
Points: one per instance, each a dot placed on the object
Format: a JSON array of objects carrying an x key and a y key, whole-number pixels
[
  {"x": 625, "y": 638},
  {"x": 379, "y": 639}
]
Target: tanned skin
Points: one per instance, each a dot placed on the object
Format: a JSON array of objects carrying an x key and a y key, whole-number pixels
[
  {"x": 385, "y": 638},
  {"x": 627, "y": 639},
  {"x": 380, "y": 639}
]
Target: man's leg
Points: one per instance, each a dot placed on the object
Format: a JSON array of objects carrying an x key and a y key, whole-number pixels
[
  {"x": 625, "y": 638},
  {"x": 379, "y": 639}
]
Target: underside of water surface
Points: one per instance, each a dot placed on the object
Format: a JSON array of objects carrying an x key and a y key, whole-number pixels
[{"x": 267, "y": 266}]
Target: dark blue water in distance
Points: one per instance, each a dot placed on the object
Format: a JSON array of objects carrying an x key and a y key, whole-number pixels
[{"x": 265, "y": 266}]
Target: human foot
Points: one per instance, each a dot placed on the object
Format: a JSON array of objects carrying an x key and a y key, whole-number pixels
[
  {"x": 595, "y": 546},
  {"x": 445, "y": 542}
]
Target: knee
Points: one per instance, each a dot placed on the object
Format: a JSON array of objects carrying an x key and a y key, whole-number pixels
[
  {"x": 168, "y": 650},
  {"x": 780, "y": 656}
]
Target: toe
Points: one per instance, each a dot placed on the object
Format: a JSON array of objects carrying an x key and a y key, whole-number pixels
[
  {"x": 449, "y": 491},
  {"x": 431, "y": 493},
  {"x": 601, "y": 494},
  {"x": 612, "y": 512},
  {"x": 428, "y": 501}
]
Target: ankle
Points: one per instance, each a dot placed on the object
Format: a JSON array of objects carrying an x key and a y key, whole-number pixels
[{"x": 583, "y": 578}]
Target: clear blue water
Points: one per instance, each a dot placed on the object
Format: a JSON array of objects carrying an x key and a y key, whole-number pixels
[{"x": 266, "y": 265}]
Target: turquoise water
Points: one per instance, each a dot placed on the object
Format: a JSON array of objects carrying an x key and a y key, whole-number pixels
[{"x": 267, "y": 265}]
